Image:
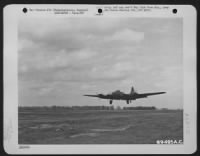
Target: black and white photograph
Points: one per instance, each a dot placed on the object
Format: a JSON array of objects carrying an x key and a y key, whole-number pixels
[
  {"x": 96, "y": 78},
  {"x": 100, "y": 81}
]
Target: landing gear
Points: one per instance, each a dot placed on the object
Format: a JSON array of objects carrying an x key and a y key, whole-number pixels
[
  {"x": 127, "y": 101},
  {"x": 110, "y": 101}
]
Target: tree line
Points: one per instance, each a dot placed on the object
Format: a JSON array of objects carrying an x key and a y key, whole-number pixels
[{"x": 84, "y": 108}]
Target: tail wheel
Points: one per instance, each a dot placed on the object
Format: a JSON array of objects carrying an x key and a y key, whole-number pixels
[
  {"x": 127, "y": 101},
  {"x": 110, "y": 101}
]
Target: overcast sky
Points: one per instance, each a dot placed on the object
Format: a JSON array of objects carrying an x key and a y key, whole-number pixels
[{"x": 62, "y": 59}]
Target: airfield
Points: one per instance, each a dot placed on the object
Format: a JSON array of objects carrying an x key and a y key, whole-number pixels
[{"x": 99, "y": 126}]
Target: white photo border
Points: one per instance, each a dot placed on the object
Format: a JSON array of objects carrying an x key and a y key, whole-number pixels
[{"x": 12, "y": 14}]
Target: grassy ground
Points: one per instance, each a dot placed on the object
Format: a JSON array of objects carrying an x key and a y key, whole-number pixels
[{"x": 99, "y": 127}]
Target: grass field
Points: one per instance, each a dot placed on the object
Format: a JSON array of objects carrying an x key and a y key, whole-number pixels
[{"x": 100, "y": 126}]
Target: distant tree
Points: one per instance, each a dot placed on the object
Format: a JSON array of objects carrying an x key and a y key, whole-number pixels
[
  {"x": 118, "y": 108},
  {"x": 112, "y": 107}
]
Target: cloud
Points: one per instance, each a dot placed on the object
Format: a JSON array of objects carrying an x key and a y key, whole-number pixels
[
  {"x": 127, "y": 35},
  {"x": 68, "y": 56},
  {"x": 172, "y": 79},
  {"x": 44, "y": 60}
]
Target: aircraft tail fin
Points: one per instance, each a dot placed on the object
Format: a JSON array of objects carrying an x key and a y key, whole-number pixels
[{"x": 132, "y": 91}]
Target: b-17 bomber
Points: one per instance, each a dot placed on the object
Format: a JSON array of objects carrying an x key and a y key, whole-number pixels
[{"x": 118, "y": 95}]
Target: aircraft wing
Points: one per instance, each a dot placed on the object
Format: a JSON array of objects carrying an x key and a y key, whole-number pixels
[
  {"x": 92, "y": 95},
  {"x": 150, "y": 94},
  {"x": 99, "y": 96}
]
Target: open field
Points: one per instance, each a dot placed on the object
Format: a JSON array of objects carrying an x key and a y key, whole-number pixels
[{"x": 99, "y": 126}]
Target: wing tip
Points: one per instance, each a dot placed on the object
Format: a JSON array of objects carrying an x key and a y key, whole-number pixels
[{"x": 162, "y": 92}]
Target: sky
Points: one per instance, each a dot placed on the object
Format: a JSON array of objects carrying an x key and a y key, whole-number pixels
[{"x": 60, "y": 60}]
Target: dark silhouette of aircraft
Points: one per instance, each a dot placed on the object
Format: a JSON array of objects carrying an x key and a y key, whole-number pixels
[{"x": 118, "y": 95}]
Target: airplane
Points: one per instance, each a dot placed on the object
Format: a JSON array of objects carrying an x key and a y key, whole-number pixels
[{"x": 118, "y": 95}]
